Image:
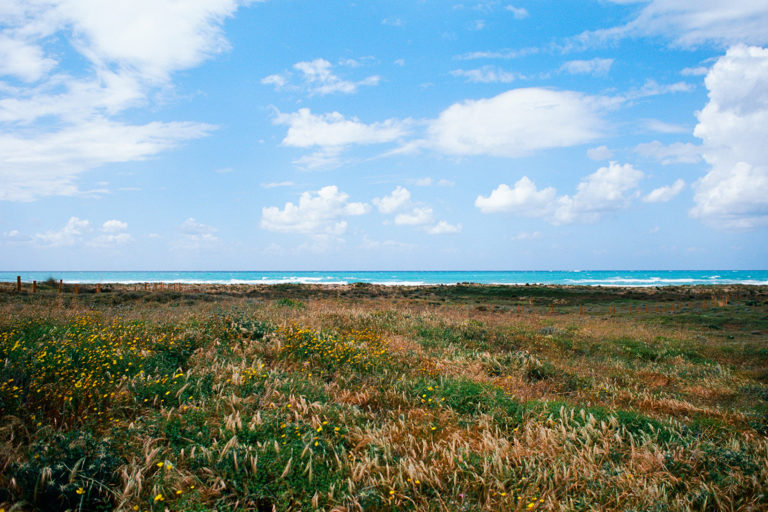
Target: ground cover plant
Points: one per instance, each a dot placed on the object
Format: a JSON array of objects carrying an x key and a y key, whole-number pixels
[{"x": 363, "y": 397}]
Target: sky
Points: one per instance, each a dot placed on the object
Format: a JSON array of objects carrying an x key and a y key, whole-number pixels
[{"x": 383, "y": 135}]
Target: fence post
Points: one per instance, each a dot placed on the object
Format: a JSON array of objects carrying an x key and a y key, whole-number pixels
[
  {"x": 98, "y": 287},
  {"x": 60, "y": 285},
  {"x": 18, "y": 283},
  {"x": 77, "y": 289},
  {"x": 34, "y": 286}
]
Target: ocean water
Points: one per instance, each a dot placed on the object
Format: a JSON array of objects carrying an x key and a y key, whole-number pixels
[{"x": 413, "y": 277}]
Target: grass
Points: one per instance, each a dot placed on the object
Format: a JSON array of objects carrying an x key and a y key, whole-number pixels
[{"x": 383, "y": 398}]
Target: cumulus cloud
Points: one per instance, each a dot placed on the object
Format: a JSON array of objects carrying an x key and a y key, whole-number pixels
[
  {"x": 596, "y": 66},
  {"x": 72, "y": 232},
  {"x": 131, "y": 49},
  {"x": 416, "y": 217},
  {"x": 523, "y": 199},
  {"x": 676, "y": 153},
  {"x": 666, "y": 193},
  {"x": 114, "y": 235},
  {"x": 114, "y": 226},
  {"x": 516, "y": 123},
  {"x": 606, "y": 190},
  {"x": 317, "y": 213},
  {"x": 393, "y": 202},
  {"x": 599, "y": 153},
  {"x": 317, "y": 78},
  {"x": 444, "y": 228},
  {"x": 733, "y": 126}
]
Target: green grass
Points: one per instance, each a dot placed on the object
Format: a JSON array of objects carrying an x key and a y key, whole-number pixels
[{"x": 377, "y": 398}]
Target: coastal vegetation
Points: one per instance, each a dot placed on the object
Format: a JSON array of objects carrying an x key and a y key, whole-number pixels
[{"x": 363, "y": 397}]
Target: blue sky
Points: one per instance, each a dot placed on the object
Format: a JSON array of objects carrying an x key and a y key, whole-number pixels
[{"x": 279, "y": 135}]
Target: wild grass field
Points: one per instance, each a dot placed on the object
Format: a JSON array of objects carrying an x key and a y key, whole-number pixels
[{"x": 446, "y": 398}]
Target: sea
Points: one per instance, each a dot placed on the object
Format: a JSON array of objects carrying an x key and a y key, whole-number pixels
[{"x": 409, "y": 277}]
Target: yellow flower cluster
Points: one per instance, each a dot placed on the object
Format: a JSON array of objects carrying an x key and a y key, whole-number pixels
[
  {"x": 74, "y": 370},
  {"x": 362, "y": 349}
]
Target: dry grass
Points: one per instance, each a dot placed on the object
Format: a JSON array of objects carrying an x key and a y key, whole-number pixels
[{"x": 386, "y": 399}]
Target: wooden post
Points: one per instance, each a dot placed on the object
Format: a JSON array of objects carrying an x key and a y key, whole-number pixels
[
  {"x": 146, "y": 285},
  {"x": 98, "y": 287},
  {"x": 61, "y": 285},
  {"x": 77, "y": 289},
  {"x": 34, "y": 286},
  {"x": 18, "y": 283}
]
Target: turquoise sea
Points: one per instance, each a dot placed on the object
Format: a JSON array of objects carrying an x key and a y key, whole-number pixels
[{"x": 412, "y": 277}]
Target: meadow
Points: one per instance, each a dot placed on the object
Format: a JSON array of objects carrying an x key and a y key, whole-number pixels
[{"x": 363, "y": 397}]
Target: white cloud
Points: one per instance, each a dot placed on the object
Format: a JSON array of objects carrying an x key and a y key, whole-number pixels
[
  {"x": 276, "y": 184},
  {"x": 195, "y": 236},
  {"x": 423, "y": 182},
  {"x": 527, "y": 236},
  {"x": 392, "y": 22},
  {"x": 317, "y": 78},
  {"x": 695, "y": 71},
  {"x": 398, "y": 199},
  {"x": 23, "y": 60},
  {"x": 154, "y": 37},
  {"x": 524, "y": 199},
  {"x": 486, "y": 75},
  {"x": 477, "y": 25},
  {"x": 47, "y": 163},
  {"x": 733, "y": 127},
  {"x": 599, "y": 153},
  {"x": 317, "y": 213},
  {"x": 15, "y": 237},
  {"x": 655, "y": 125},
  {"x": 606, "y": 190},
  {"x": 519, "y": 13},
  {"x": 417, "y": 217},
  {"x": 601, "y": 192},
  {"x": 192, "y": 227},
  {"x": 443, "y": 228},
  {"x": 277, "y": 81},
  {"x": 653, "y": 88},
  {"x": 678, "y": 152},
  {"x": 333, "y": 130},
  {"x": 516, "y": 123},
  {"x": 76, "y": 232},
  {"x": 72, "y": 232},
  {"x": 111, "y": 240},
  {"x": 500, "y": 54},
  {"x": 56, "y": 126},
  {"x": 664, "y": 194},
  {"x": 695, "y": 23},
  {"x": 114, "y": 226},
  {"x": 596, "y": 66}
]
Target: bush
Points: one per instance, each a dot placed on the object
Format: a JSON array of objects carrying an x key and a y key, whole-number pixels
[{"x": 70, "y": 471}]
